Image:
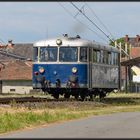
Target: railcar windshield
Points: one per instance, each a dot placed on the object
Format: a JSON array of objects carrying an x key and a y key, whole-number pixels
[
  {"x": 35, "y": 54},
  {"x": 48, "y": 54},
  {"x": 68, "y": 54}
]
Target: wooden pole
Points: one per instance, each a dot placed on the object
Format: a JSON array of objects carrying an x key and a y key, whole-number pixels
[
  {"x": 126, "y": 72},
  {"x": 125, "y": 50},
  {"x": 120, "y": 72},
  {"x": 115, "y": 44},
  {"x": 120, "y": 44},
  {"x": 130, "y": 78}
]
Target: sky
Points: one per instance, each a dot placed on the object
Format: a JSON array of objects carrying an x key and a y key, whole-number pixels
[{"x": 28, "y": 22}]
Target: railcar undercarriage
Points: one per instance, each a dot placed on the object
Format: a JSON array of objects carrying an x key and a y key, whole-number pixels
[{"x": 78, "y": 93}]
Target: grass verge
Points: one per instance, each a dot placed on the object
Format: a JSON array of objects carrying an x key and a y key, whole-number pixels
[{"x": 20, "y": 117}]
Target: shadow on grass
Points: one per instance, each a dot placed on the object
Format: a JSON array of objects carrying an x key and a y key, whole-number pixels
[{"x": 122, "y": 100}]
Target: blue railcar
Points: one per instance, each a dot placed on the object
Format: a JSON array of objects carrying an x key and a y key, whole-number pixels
[{"x": 73, "y": 66}]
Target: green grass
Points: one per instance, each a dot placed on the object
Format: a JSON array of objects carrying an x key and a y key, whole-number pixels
[
  {"x": 10, "y": 121},
  {"x": 17, "y": 117},
  {"x": 13, "y": 121}
]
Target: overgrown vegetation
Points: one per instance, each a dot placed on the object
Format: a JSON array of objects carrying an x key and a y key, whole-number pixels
[{"x": 118, "y": 41}]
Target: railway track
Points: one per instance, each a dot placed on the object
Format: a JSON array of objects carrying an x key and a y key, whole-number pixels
[{"x": 7, "y": 100}]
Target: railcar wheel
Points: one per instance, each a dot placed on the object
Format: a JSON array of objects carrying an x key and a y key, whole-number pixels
[
  {"x": 101, "y": 96},
  {"x": 76, "y": 96},
  {"x": 66, "y": 95},
  {"x": 56, "y": 96},
  {"x": 82, "y": 97},
  {"x": 91, "y": 97}
]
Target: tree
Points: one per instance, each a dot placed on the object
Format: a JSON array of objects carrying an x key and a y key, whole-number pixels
[
  {"x": 118, "y": 41},
  {"x": 122, "y": 45}
]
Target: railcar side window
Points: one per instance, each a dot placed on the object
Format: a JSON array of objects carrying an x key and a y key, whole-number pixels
[
  {"x": 68, "y": 54},
  {"x": 94, "y": 55},
  {"x": 83, "y": 54},
  {"x": 35, "y": 54},
  {"x": 102, "y": 56},
  {"x": 98, "y": 56},
  {"x": 48, "y": 54},
  {"x": 109, "y": 58},
  {"x": 114, "y": 60},
  {"x": 105, "y": 57}
]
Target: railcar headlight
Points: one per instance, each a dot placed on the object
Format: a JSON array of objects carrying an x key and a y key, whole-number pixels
[
  {"x": 74, "y": 69},
  {"x": 41, "y": 70},
  {"x": 58, "y": 41}
]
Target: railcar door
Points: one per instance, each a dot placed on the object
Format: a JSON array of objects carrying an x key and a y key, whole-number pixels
[{"x": 90, "y": 67}]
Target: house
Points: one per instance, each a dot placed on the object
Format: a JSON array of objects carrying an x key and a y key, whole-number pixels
[
  {"x": 20, "y": 49},
  {"x": 134, "y": 45},
  {"x": 134, "y": 42},
  {"x": 16, "y": 77}
]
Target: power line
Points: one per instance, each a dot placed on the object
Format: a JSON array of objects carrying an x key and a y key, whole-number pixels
[
  {"x": 81, "y": 22},
  {"x": 89, "y": 19},
  {"x": 97, "y": 26},
  {"x": 99, "y": 19}
]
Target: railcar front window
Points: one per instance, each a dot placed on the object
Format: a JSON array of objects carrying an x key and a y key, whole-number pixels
[
  {"x": 48, "y": 54},
  {"x": 35, "y": 54},
  {"x": 67, "y": 54},
  {"x": 83, "y": 54}
]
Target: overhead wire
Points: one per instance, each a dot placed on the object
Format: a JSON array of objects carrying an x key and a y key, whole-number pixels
[
  {"x": 90, "y": 20},
  {"x": 82, "y": 22},
  {"x": 93, "y": 12},
  {"x": 98, "y": 27}
]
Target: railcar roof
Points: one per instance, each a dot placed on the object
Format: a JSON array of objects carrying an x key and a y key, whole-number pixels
[{"x": 74, "y": 41}]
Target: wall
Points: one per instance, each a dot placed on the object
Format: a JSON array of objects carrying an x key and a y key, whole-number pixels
[{"x": 19, "y": 87}]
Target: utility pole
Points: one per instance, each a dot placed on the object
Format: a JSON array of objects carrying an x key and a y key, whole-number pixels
[
  {"x": 120, "y": 48},
  {"x": 115, "y": 44},
  {"x": 126, "y": 45},
  {"x": 120, "y": 76}
]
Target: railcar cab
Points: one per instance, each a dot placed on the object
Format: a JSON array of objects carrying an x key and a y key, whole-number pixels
[{"x": 60, "y": 66}]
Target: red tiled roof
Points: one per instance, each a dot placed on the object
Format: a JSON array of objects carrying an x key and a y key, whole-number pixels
[
  {"x": 22, "y": 49},
  {"x": 17, "y": 70}
]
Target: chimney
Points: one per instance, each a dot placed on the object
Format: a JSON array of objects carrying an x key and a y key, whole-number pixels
[
  {"x": 137, "y": 38},
  {"x": 77, "y": 36},
  {"x": 65, "y": 35},
  {"x": 126, "y": 38},
  {"x": 10, "y": 44}
]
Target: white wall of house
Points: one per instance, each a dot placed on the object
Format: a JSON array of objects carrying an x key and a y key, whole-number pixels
[{"x": 19, "y": 87}]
